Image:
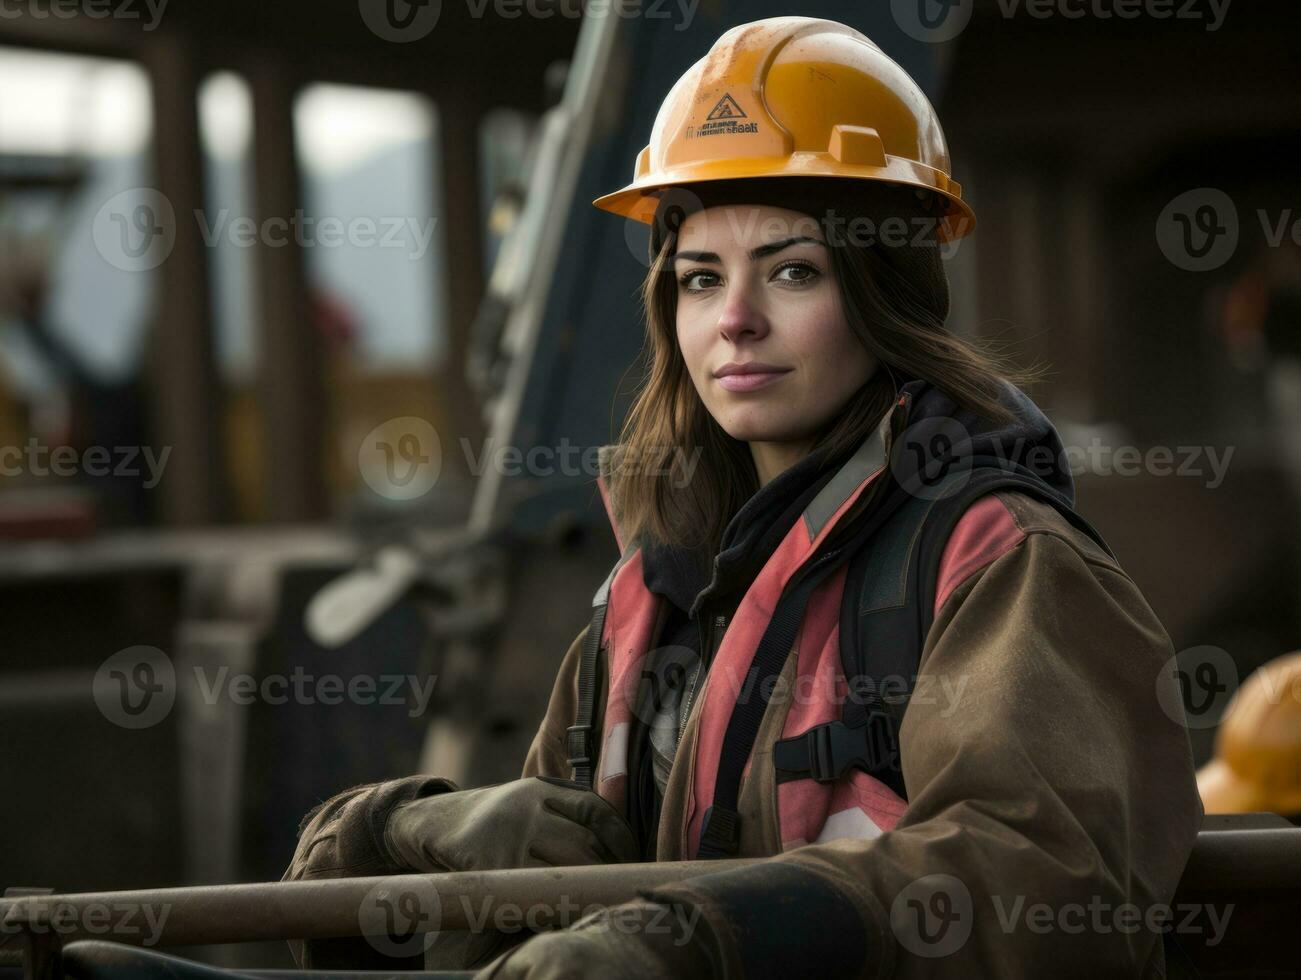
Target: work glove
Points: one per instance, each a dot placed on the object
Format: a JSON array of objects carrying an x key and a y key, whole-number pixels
[
  {"x": 343, "y": 838},
  {"x": 539, "y": 821},
  {"x": 637, "y": 940},
  {"x": 421, "y": 824}
]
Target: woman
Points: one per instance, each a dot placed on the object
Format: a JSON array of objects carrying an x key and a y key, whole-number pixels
[{"x": 830, "y": 510}]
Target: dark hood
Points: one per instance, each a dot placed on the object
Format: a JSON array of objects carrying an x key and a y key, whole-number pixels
[
  {"x": 934, "y": 427},
  {"x": 686, "y": 578},
  {"x": 1028, "y": 444}
]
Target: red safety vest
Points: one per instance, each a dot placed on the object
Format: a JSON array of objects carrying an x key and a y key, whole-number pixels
[{"x": 855, "y": 804}]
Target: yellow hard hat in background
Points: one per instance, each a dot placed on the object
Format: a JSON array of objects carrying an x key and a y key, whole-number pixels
[
  {"x": 797, "y": 97},
  {"x": 1257, "y": 764}
]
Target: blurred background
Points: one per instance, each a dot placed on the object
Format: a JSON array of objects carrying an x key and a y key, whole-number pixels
[{"x": 291, "y": 290}]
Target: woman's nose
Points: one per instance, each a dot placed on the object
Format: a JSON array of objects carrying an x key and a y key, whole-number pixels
[{"x": 741, "y": 317}]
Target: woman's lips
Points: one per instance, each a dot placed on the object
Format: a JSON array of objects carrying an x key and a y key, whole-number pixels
[{"x": 750, "y": 382}]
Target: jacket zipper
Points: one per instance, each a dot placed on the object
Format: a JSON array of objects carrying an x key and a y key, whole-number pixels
[{"x": 715, "y": 628}]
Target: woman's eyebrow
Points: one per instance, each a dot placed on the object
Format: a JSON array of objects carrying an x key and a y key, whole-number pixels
[{"x": 755, "y": 253}]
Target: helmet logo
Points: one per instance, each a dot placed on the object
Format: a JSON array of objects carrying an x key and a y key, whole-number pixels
[
  {"x": 727, "y": 108},
  {"x": 722, "y": 120}
]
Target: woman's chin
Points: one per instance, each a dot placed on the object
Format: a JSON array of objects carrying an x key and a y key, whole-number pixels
[{"x": 761, "y": 429}]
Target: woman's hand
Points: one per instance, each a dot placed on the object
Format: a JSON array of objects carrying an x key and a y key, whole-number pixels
[
  {"x": 342, "y": 838},
  {"x": 637, "y": 939},
  {"x": 539, "y": 821}
]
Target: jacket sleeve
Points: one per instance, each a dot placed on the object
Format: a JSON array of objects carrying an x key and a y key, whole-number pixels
[
  {"x": 1048, "y": 790},
  {"x": 549, "y": 755}
]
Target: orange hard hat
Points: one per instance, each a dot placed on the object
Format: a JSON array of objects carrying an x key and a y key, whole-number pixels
[
  {"x": 797, "y": 97},
  {"x": 1257, "y": 764}
]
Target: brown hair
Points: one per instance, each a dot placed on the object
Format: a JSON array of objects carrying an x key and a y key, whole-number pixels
[{"x": 895, "y": 299}]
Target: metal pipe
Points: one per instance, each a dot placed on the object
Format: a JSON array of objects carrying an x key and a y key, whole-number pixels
[
  {"x": 1258, "y": 860},
  {"x": 339, "y": 906}
]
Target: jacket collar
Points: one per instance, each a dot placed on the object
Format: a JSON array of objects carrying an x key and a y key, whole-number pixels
[{"x": 817, "y": 493}]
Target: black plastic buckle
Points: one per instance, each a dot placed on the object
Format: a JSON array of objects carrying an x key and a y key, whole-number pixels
[
  {"x": 833, "y": 748},
  {"x": 578, "y": 743},
  {"x": 826, "y": 752}
]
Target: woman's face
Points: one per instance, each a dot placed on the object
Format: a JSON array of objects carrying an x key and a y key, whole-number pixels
[{"x": 756, "y": 290}]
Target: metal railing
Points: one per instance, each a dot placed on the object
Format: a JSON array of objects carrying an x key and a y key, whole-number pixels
[{"x": 1256, "y": 867}]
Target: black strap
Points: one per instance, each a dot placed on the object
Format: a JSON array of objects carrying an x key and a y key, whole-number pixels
[
  {"x": 720, "y": 830},
  {"x": 578, "y": 737},
  {"x": 887, "y": 612},
  {"x": 720, "y": 827}
]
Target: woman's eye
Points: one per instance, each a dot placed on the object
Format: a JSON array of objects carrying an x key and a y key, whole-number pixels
[
  {"x": 803, "y": 272},
  {"x": 689, "y": 278},
  {"x": 799, "y": 274}
]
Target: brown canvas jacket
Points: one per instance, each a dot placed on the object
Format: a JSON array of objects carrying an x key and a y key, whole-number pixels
[{"x": 1048, "y": 789}]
